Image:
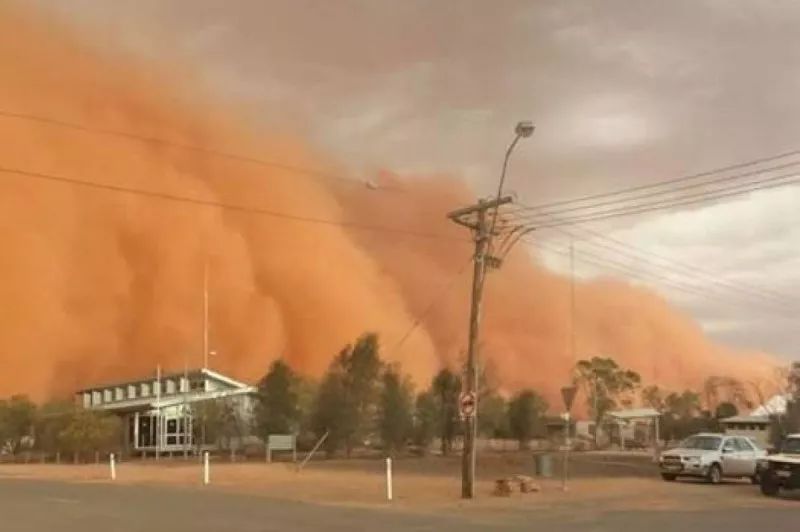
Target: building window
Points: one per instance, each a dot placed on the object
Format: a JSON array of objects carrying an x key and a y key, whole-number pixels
[
  {"x": 197, "y": 385},
  {"x": 119, "y": 394},
  {"x": 170, "y": 386},
  {"x": 87, "y": 400},
  {"x": 97, "y": 398},
  {"x": 107, "y": 397},
  {"x": 131, "y": 391},
  {"x": 145, "y": 389}
]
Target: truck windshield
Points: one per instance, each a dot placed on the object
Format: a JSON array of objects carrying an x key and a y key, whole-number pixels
[
  {"x": 705, "y": 443},
  {"x": 791, "y": 446}
]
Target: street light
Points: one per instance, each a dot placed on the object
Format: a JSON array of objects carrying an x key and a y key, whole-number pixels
[
  {"x": 523, "y": 129},
  {"x": 483, "y": 242}
]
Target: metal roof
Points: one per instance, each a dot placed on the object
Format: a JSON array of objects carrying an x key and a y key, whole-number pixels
[
  {"x": 746, "y": 419},
  {"x": 205, "y": 372},
  {"x": 635, "y": 413},
  {"x": 151, "y": 403}
]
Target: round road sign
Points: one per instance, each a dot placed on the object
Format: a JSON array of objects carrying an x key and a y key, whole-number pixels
[{"x": 466, "y": 404}]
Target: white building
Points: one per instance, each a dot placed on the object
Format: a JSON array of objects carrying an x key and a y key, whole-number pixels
[
  {"x": 756, "y": 425},
  {"x": 157, "y": 413}
]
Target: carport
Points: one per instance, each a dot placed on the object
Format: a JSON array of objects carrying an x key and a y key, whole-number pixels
[{"x": 626, "y": 418}]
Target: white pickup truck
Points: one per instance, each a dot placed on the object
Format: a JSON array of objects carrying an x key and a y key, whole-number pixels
[
  {"x": 712, "y": 457},
  {"x": 781, "y": 470}
]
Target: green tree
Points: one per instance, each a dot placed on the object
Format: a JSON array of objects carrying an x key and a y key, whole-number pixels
[
  {"x": 208, "y": 422},
  {"x": 492, "y": 406},
  {"x": 425, "y": 419},
  {"x": 362, "y": 366},
  {"x": 277, "y": 410},
  {"x": 725, "y": 409},
  {"x": 51, "y": 420},
  {"x": 333, "y": 414},
  {"x": 683, "y": 405},
  {"x": 233, "y": 426},
  {"x": 682, "y": 415},
  {"x": 90, "y": 430},
  {"x": 525, "y": 416},
  {"x": 654, "y": 397},
  {"x": 395, "y": 410},
  {"x": 446, "y": 387},
  {"x": 346, "y": 405},
  {"x": 493, "y": 415},
  {"x": 17, "y": 418},
  {"x": 604, "y": 383},
  {"x": 792, "y": 416}
]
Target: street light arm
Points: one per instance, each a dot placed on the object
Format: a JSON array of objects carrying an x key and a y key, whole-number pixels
[{"x": 503, "y": 179}]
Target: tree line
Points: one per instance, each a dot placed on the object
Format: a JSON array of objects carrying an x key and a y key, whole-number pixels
[
  {"x": 55, "y": 427},
  {"x": 364, "y": 401}
]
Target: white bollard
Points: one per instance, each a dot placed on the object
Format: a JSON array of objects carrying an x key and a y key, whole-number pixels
[
  {"x": 112, "y": 466},
  {"x": 388, "y": 479},
  {"x": 206, "y": 477}
]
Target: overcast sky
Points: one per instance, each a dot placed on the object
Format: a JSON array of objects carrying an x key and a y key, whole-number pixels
[{"x": 622, "y": 93}]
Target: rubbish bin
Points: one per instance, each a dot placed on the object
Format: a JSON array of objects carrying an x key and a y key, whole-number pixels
[{"x": 544, "y": 465}]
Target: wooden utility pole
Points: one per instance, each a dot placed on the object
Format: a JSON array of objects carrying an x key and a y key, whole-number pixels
[{"x": 475, "y": 218}]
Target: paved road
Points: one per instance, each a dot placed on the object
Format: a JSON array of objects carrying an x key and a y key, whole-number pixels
[{"x": 38, "y": 506}]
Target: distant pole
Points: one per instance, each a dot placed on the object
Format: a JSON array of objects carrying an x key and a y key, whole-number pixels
[
  {"x": 158, "y": 411},
  {"x": 205, "y": 315},
  {"x": 565, "y": 466},
  {"x": 388, "y": 479},
  {"x": 112, "y": 466},
  {"x": 572, "y": 297},
  {"x": 206, "y": 472},
  {"x": 185, "y": 411}
]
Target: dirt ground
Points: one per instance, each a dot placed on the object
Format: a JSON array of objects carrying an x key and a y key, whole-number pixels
[{"x": 426, "y": 484}]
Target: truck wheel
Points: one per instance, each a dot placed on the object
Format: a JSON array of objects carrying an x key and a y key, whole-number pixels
[
  {"x": 769, "y": 485},
  {"x": 669, "y": 477},
  {"x": 714, "y": 475}
]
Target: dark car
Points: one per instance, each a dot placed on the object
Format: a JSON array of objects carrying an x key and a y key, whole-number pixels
[{"x": 782, "y": 470}]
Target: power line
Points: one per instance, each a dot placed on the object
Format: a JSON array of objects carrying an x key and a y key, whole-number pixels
[
  {"x": 315, "y": 174},
  {"x": 606, "y": 263},
  {"x": 221, "y": 205},
  {"x": 694, "y": 280},
  {"x": 682, "y": 267},
  {"x": 689, "y": 177},
  {"x": 538, "y": 211},
  {"x": 656, "y": 206},
  {"x": 648, "y": 277},
  {"x": 675, "y": 267},
  {"x": 437, "y": 299}
]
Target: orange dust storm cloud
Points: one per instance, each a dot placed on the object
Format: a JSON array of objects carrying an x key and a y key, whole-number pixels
[{"x": 99, "y": 284}]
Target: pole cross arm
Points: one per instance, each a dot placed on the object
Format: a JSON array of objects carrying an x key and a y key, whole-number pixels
[{"x": 458, "y": 215}]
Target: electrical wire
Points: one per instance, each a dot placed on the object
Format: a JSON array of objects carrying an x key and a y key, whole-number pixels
[
  {"x": 220, "y": 205},
  {"x": 312, "y": 173},
  {"x": 648, "y": 277},
  {"x": 707, "y": 173},
  {"x": 656, "y": 206},
  {"x": 538, "y": 211}
]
